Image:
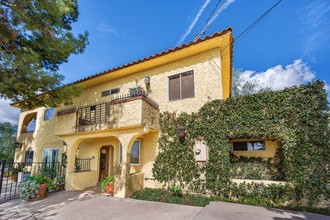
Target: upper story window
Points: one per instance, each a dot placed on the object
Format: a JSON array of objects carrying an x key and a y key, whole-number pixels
[
  {"x": 110, "y": 92},
  {"x": 181, "y": 86},
  {"x": 29, "y": 123},
  {"x": 49, "y": 114},
  {"x": 249, "y": 146}
]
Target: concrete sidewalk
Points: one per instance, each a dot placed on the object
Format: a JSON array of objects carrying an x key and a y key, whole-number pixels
[{"x": 91, "y": 205}]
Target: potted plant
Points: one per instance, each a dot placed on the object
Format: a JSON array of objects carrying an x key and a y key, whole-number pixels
[
  {"x": 59, "y": 183},
  {"x": 18, "y": 169},
  {"x": 51, "y": 186},
  {"x": 107, "y": 185},
  {"x": 34, "y": 189}
]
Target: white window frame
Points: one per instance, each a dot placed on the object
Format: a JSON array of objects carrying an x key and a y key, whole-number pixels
[
  {"x": 58, "y": 156},
  {"x": 52, "y": 116},
  {"x": 111, "y": 91},
  {"x": 136, "y": 164}
]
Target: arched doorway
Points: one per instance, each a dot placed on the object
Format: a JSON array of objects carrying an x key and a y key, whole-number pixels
[{"x": 106, "y": 161}]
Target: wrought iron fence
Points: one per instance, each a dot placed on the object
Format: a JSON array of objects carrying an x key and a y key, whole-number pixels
[
  {"x": 13, "y": 173},
  {"x": 99, "y": 113},
  {"x": 82, "y": 164}
]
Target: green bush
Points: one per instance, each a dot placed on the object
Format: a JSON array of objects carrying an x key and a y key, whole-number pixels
[
  {"x": 160, "y": 195},
  {"x": 254, "y": 168},
  {"x": 175, "y": 190},
  {"x": 29, "y": 189}
]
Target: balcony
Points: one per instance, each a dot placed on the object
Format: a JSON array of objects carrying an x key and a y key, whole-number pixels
[{"x": 120, "y": 112}]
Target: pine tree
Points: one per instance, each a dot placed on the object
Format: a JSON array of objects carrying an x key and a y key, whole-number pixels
[{"x": 35, "y": 38}]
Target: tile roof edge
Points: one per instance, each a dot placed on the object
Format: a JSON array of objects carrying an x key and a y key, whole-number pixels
[{"x": 171, "y": 50}]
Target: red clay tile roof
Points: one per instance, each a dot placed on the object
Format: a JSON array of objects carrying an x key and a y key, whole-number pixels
[{"x": 216, "y": 34}]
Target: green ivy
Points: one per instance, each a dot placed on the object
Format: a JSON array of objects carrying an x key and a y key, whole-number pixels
[
  {"x": 254, "y": 168},
  {"x": 296, "y": 117},
  {"x": 175, "y": 160}
]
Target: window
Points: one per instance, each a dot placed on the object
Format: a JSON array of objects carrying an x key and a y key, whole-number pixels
[
  {"x": 31, "y": 127},
  {"x": 49, "y": 114},
  {"x": 29, "y": 123},
  {"x": 110, "y": 92},
  {"x": 249, "y": 146},
  {"x": 120, "y": 156},
  {"x": 28, "y": 157},
  {"x": 135, "y": 153},
  {"x": 51, "y": 155},
  {"x": 181, "y": 86}
]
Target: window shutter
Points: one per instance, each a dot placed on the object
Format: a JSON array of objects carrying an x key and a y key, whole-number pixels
[
  {"x": 187, "y": 85},
  {"x": 174, "y": 87}
]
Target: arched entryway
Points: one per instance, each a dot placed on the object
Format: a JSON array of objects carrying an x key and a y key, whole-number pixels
[{"x": 106, "y": 161}]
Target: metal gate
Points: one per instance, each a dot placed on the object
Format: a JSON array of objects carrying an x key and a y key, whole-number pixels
[{"x": 13, "y": 173}]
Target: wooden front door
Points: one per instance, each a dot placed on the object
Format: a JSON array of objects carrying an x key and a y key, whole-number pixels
[{"x": 104, "y": 162}]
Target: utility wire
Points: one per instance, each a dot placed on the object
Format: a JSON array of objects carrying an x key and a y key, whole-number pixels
[
  {"x": 253, "y": 25},
  {"x": 213, "y": 11},
  {"x": 210, "y": 20}
]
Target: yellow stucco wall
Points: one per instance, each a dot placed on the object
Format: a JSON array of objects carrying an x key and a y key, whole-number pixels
[
  {"x": 212, "y": 73},
  {"x": 207, "y": 81},
  {"x": 42, "y": 138},
  {"x": 269, "y": 152}
]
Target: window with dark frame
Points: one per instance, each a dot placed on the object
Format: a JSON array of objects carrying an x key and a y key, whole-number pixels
[
  {"x": 28, "y": 157},
  {"x": 135, "y": 153},
  {"x": 249, "y": 146},
  {"x": 110, "y": 92},
  {"x": 181, "y": 86}
]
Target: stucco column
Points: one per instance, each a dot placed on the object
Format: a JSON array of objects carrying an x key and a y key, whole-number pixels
[
  {"x": 71, "y": 149},
  {"x": 121, "y": 181}
]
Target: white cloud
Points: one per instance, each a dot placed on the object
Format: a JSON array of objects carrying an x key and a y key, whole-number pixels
[
  {"x": 8, "y": 113},
  {"x": 280, "y": 77},
  {"x": 104, "y": 28},
  {"x": 315, "y": 20},
  {"x": 193, "y": 23}
]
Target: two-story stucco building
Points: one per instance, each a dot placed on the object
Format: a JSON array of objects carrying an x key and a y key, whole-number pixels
[{"x": 113, "y": 125}]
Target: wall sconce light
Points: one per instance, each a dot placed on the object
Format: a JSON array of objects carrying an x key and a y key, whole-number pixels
[
  {"x": 182, "y": 132},
  {"x": 147, "y": 80},
  {"x": 17, "y": 145}
]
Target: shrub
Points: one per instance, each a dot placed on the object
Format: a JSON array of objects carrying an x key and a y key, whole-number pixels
[
  {"x": 175, "y": 190},
  {"x": 29, "y": 189}
]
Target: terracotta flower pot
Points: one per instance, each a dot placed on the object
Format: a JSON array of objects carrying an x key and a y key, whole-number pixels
[
  {"x": 110, "y": 189},
  {"x": 42, "y": 193},
  {"x": 14, "y": 177}
]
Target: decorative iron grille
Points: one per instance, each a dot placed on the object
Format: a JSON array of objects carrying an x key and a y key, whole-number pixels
[{"x": 93, "y": 114}]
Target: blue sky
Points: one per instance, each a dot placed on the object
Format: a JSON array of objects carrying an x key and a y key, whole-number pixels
[{"x": 290, "y": 46}]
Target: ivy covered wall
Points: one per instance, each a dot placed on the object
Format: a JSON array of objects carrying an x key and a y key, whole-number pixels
[{"x": 297, "y": 117}]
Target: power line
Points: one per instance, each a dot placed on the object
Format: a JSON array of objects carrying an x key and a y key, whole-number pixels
[
  {"x": 213, "y": 11},
  {"x": 253, "y": 25},
  {"x": 213, "y": 16}
]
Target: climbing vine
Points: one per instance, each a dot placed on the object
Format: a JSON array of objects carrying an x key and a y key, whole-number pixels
[
  {"x": 175, "y": 161},
  {"x": 296, "y": 117}
]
